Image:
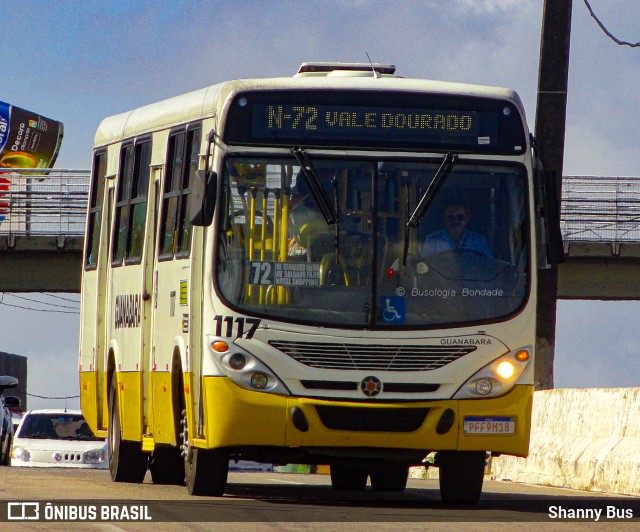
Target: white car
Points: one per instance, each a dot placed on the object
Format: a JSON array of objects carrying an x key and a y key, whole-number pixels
[
  {"x": 16, "y": 418},
  {"x": 58, "y": 438}
]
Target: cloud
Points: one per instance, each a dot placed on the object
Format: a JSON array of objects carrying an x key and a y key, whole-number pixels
[{"x": 488, "y": 6}]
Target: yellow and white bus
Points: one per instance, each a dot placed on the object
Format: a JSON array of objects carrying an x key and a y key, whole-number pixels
[{"x": 334, "y": 268}]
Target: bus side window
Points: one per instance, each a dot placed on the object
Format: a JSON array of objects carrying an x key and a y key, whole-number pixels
[
  {"x": 121, "y": 225},
  {"x": 95, "y": 210},
  {"x": 186, "y": 229},
  {"x": 139, "y": 193},
  {"x": 182, "y": 163},
  {"x": 131, "y": 206}
]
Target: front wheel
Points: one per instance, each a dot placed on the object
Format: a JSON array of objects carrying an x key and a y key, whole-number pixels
[
  {"x": 206, "y": 471},
  {"x": 127, "y": 462},
  {"x": 461, "y": 475}
]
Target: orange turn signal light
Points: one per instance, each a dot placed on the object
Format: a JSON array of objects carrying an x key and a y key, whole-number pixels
[
  {"x": 220, "y": 346},
  {"x": 522, "y": 355}
]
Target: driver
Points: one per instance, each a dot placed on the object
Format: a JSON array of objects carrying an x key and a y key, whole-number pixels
[{"x": 455, "y": 236}]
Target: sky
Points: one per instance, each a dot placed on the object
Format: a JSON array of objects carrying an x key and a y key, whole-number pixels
[{"x": 79, "y": 61}]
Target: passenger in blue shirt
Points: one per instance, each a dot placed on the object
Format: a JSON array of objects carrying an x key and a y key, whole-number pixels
[{"x": 456, "y": 236}]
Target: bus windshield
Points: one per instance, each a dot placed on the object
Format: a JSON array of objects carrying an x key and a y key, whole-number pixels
[{"x": 465, "y": 261}]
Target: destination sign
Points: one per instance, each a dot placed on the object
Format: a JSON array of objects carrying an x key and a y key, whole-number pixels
[
  {"x": 285, "y": 273},
  {"x": 375, "y": 120},
  {"x": 309, "y": 121}
]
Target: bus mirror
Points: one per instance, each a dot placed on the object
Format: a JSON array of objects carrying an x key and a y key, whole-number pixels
[
  {"x": 549, "y": 235},
  {"x": 552, "y": 211},
  {"x": 202, "y": 199}
]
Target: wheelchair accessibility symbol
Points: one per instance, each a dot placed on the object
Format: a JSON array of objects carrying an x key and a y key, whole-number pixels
[{"x": 392, "y": 309}]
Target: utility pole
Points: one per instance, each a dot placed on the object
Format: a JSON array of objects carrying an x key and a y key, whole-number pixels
[{"x": 550, "y": 131}]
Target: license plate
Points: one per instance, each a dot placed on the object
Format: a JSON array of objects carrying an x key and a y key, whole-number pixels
[{"x": 489, "y": 425}]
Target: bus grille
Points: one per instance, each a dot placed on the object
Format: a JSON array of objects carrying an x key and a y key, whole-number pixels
[
  {"x": 372, "y": 419},
  {"x": 372, "y": 357}
]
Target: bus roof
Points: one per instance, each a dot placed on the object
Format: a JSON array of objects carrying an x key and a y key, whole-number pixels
[{"x": 210, "y": 101}]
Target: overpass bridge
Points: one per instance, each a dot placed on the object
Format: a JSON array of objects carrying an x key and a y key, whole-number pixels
[
  {"x": 600, "y": 223},
  {"x": 41, "y": 236},
  {"x": 42, "y": 219}
]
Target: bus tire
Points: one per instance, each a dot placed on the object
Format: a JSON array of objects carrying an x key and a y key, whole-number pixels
[
  {"x": 167, "y": 466},
  {"x": 389, "y": 476},
  {"x": 127, "y": 462},
  {"x": 346, "y": 477},
  {"x": 206, "y": 471},
  {"x": 461, "y": 475}
]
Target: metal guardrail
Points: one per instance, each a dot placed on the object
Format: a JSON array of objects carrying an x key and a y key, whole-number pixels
[
  {"x": 600, "y": 209},
  {"x": 34, "y": 203},
  {"x": 594, "y": 209}
]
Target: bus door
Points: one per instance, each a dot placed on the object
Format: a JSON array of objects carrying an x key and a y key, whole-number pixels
[
  {"x": 128, "y": 272},
  {"x": 94, "y": 330},
  {"x": 103, "y": 308},
  {"x": 146, "y": 362},
  {"x": 173, "y": 309}
]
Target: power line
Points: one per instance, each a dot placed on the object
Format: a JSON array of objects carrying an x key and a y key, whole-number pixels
[
  {"x": 45, "y": 397},
  {"x": 43, "y": 302},
  {"x": 37, "y": 309},
  {"x": 59, "y": 297},
  {"x": 607, "y": 32},
  {"x": 2, "y": 302}
]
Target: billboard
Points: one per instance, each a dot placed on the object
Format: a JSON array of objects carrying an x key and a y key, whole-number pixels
[{"x": 27, "y": 139}]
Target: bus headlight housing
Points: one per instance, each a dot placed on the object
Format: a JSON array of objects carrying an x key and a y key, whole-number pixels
[
  {"x": 484, "y": 386},
  {"x": 506, "y": 369},
  {"x": 498, "y": 377},
  {"x": 245, "y": 369},
  {"x": 237, "y": 361},
  {"x": 259, "y": 380}
]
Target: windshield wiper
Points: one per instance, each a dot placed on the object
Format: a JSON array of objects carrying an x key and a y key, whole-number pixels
[
  {"x": 331, "y": 216},
  {"x": 310, "y": 174},
  {"x": 427, "y": 199},
  {"x": 432, "y": 190}
]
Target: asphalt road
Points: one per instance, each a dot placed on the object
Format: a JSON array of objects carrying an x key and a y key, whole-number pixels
[{"x": 287, "y": 501}]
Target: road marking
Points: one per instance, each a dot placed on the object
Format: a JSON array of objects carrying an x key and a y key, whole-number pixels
[{"x": 286, "y": 481}]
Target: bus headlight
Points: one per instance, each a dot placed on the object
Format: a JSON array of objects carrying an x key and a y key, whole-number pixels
[
  {"x": 244, "y": 368},
  {"x": 496, "y": 378},
  {"x": 259, "y": 380},
  {"x": 484, "y": 386},
  {"x": 237, "y": 361},
  {"x": 505, "y": 369}
]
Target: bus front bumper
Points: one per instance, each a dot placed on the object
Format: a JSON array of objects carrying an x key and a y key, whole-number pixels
[{"x": 241, "y": 418}]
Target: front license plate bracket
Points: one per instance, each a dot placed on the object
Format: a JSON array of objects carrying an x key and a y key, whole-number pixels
[{"x": 489, "y": 425}]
